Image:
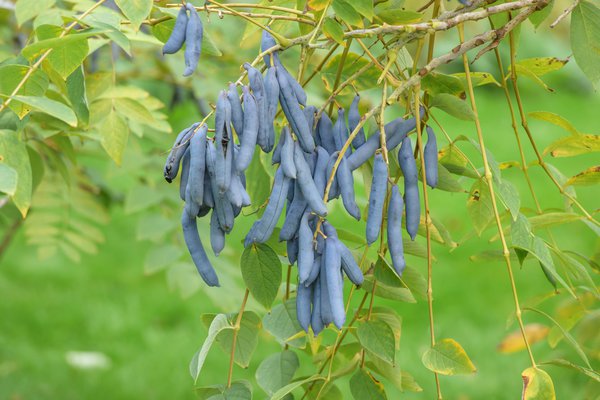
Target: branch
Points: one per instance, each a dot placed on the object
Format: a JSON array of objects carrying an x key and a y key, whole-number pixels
[
  {"x": 566, "y": 12},
  {"x": 443, "y": 24}
]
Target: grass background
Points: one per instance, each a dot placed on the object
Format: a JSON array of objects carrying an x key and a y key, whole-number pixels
[{"x": 106, "y": 304}]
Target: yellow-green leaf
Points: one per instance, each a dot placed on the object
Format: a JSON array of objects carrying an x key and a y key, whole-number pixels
[
  {"x": 574, "y": 145},
  {"x": 453, "y": 105},
  {"x": 333, "y": 30},
  {"x": 50, "y": 107},
  {"x": 479, "y": 205},
  {"x": 555, "y": 119},
  {"x": 13, "y": 154},
  {"x": 537, "y": 385},
  {"x": 28, "y": 9},
  {"x": 478, "y": 78},
  {"x": 135, "y": 10},
  {"x": 11, "y": 76},
  {"x": 590, "y": 176},
  {"x": 448, "y": 357},
  {"x": 398, "y": 16},
  {"x": 113, "y": 135},
  {"x": 347, "y": 13}
]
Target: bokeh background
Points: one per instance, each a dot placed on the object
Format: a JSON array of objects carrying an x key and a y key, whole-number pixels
[{"x": 121, "y": 319}]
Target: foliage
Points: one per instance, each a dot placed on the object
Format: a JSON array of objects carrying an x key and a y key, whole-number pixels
[{"x": 76, "y": 93}]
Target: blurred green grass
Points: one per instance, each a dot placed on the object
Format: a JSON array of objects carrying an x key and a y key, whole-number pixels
[{"x": 149, "y": 333}]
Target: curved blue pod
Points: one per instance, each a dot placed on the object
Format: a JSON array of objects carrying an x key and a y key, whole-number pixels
[
  {"x": 430, "y": 156},
  {"x": 306, "y": 183},
  {"x": 349, "y": 264},
  {"x": 217, "y": 236},
  {"x": 412, "y": 203},
  {"x": 394, "y": 230},
  {"x": 197, "y": 165},
  {"x": 297, "y": 89},
  {"x": 306, "y": 254},
  {"x": 340, "y": 133},
  {"x": 325, "y": 133},
  {"x": 316, "y": 320},
  {"x": 294, "y": 114},
  {"x": 292, "y": 250},
  {"x": 346, "y": 185},
  {"x": 320, "y": 171},
  {"x": 263, "y": 228},
  {"x": 267, "y": 41},
  {"x": 377, "y": 198},
  {"x": 326, "y": 312},
  {"x": 287, "y": 154},
  {"x": 353, "y": 121},
  {"x": 194, "y": 245},
  {"x": 182, "y": 142},
  {"x": 193, "y": 41},
  {"x": 294, "y": 214},
  {"x": 185, "y": 174},
  {"x": 248, "y": 140},
  {"x": 177, "y": 38},
  {"x": 304, "y": 296},
  {"x": 237, "y": 114},
  {"x": 335, "y": 283}
]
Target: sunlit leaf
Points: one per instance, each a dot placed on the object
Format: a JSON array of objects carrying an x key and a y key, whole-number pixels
[
  {"x": 537, "y": 385},
  {"x": 448, "y": 357}
]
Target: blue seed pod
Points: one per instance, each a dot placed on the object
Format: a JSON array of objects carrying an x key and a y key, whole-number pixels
[
  {"x": 316, "y": 320},
  {"x": 377, "y": 198},
  {"x": 287, "y": 154},
  {"x": 267, "y": 41},
  {"x": 394, "y": 230},
  {"x": 251, "y": 123},
  {"x": 306, "y": 183},
  {"x": 304, "y": 296},
  {"x": 217, "y": 236},
  {"x": 182, "y": 141},
  {"x": 430, "y": 156},
  {"x": 185, "y": 174},
  {"x": 177, "y": 38},
  {"x": 237, "y": 114},
  {"x": 306, "y": 255},
  {"x": 353, "y": 121},
  {"x": 346, "y": 185},
  {"x": 194, "y": 245},
  {"x": 193, "y": 40},
  {"x": 411, "y": 188}
]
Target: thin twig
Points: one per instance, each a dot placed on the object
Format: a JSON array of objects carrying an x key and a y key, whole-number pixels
[
  {"x": 566, "y": 12},
  {"x": 489, "y": 180},
  {"x": 236, "y": 329}
]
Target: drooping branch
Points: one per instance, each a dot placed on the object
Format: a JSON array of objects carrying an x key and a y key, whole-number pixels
[{"x": 443, "y": 23}]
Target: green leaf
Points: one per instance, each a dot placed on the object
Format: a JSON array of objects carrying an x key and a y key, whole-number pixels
[
  {"x": 276, "y": 371},
  {"x": 554, "y": 119},
  {"x": 390, "y": 372},
  {"x": 261, "y": 270},
  {"x": 8, "y": 180},
  {"x": 283, "y": 324},
  {"x": 77, "y": 96},
  {"x": 409, "y": 383},
  {"x": 537, "y": 385},
  {"x": 365, "y": 7},
  {"x": 258, "y": 188},
  {"x": 566, "y": 334},
  {"x": 479, "y": 205},
  {"x": 11, "y": 76},
  {"x": 287, "y": 389},
  {"x": 347, "y": 13},
  {"x": 547, "y": 220},
  {"x": 28, "y": 9},
  {"x": 51, "y": 107},
  {"x": 478, "y": 79},
  {"x": 574, "y": 145},
  {"x": 158, "y": 258},
  {"x": 397, "y": 16},
  {"x": 509, "y": 195},
  {"x": 135, "y": 10},
  {"x": 133, "y": 110},
  {"x": 453, "y": 105},
  {"x": 378, "y": 338},
  {"x": 247, "y": 337},
  {"x": 354, "y": 62},
  {"x": 567, "y": 364},
  {"x": 536, "y": 67},
  {"x": 540, "y": 16},
  {"x": 364, "y": 386},
  {"x": 113, "y": 135},
  {"x": 240, "y": 390},
  {"x": 590, "y": 176},
  {"x": 218, "y": 324},
  {"x": 520, "y": 233},
  {"x": 585, "y": 39},
  {"x": 448, "y": 357},
  {"x": 67, "y": 52},
  {"x": 436, "y": 83},
  {"x": 333, "y": 30},
  {"x": 388, "y": 292}
]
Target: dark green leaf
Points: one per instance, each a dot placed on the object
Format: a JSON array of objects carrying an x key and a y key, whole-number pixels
[
  {"x": 13, "y": 154},
  {"x": 364, "y": 386},
  {"x": 261, "y": 270},
  {"x": 378, "y": 338},
  {"x": 453, "y": 105},
  {"x": 77, "y": 95},
  {"x": 585, "y": 38}
]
